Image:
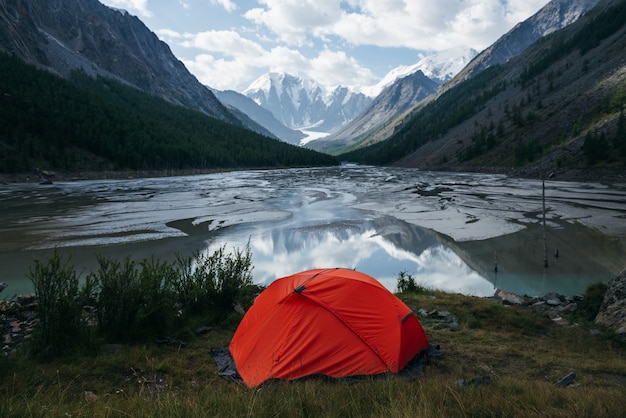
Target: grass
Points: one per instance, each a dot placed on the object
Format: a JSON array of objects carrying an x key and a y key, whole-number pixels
[{"x": 521, "y": 350}]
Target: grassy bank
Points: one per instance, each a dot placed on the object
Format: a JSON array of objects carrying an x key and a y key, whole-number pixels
[{"x": 517, "y": 352}]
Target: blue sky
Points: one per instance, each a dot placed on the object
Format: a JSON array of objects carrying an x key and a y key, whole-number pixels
[{"x": 227, "y": 44}]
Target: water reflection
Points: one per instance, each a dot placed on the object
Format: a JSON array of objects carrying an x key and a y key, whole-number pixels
[
  {"x": 377, "y": 220},
  {"x": 381, "y": 247}
]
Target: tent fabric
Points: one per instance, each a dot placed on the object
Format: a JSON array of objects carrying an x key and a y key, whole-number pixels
[{"x": 336, "y": 322}]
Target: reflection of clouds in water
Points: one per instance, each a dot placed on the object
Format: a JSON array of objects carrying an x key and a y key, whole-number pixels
[
  {"x": 435, "y": 267},
  {"x": 440, "y": 268}
]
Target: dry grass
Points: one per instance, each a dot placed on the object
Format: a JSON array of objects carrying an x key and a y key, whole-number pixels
[{"x": 521, "y": 351}]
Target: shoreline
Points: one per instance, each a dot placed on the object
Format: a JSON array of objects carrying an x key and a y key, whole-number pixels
[{"x": 585, "y": 175}]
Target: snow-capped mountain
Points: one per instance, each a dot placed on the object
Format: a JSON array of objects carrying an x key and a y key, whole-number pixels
[
  {"x": 395, "y": 99},
  {"x": 440, "y": 67},
  {"x": 301, "y": 103}
]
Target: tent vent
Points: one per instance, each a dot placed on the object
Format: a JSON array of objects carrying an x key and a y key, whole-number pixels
[{"x": 299, "y": 289}]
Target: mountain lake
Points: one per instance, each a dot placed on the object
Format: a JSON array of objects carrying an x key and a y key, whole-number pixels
[{"x": 449, "y": 231}]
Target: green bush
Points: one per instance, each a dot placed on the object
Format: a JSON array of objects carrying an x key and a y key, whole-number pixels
[
  {"x": 60, "y": 307},
  {"x": 137, "y": 301},
  {"x": 118, "y": 297},
  {"x": 406, "y": 284},
  {"x": 157, "y": 311},
  {"x": 134, "y": 303},
  {"x": 592, "y": 300},
  {"x": 214, "y": 283}
]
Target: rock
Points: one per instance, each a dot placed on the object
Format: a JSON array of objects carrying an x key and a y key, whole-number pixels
[
  {"x": 446, "y": 319},
  {"x": 507, "y": 297},
  {"x": 444, "y": 314},
  {"x": 567, "y": 380},
  {"x": 164, "y": 340},
  {"x": 454, "y": 325},
  {"x": 239, "y": 309},
  {"x": 612, "y": 312},
  {"x": 3, "y": 285},
  {"x": 110, "y": 348},
  {"x": 90, "y": 396},
  {"x": 202, "y": 330},
  {"x": 479, "y": 380},
  {"x": 569, "y": 308},
  {"x": 552, "y": 299}
]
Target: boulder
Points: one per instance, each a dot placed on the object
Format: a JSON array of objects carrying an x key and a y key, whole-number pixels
[
  {"x": 612, "y": 312},
  {"x": 507, "y": 298}
]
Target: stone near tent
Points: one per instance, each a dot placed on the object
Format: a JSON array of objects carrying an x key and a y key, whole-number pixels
[
  {"x": 612, "y": 312},
  {"x": 507, "y": 298},
  {"x": 202, "y": 330},
  {"x": 567, "y": 380}
]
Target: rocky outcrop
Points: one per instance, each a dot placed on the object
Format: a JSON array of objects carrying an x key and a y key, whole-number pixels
[
  {"x": 18, "y": 319},
  {"x": 553, "y": 16},
  {"x": 65, "y": 35},
  {"x": 613, "y": 309}
]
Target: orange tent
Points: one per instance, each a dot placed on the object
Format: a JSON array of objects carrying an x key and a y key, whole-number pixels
[{"x": 335, "y": 322}]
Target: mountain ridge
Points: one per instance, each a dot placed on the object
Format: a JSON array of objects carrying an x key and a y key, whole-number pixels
[
  {"x": 548, "y": 19},
  {"x": 392, "y": 101},
  {"x": 302, "y": 103},
  {"x": 557, "y": 106},
  {"x": 555, "y": 15},
  {"x": 65, "y": 35},
  {"x": 260, "y": 115}
]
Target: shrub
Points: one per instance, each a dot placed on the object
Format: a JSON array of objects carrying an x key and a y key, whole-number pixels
[
  {"x": 138, "y": 301},
  {"x": 157, "y": 309},
  {"x": 119, "y": 297},
  {"x": 60, "y": 306},
  {"x": 214, "y": 283},
  {"x": 592, "y": 300},
  {"x": 134, "y": 303},
  {"x": 406, "y": 284}
]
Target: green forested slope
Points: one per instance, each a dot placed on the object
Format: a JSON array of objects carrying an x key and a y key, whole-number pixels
[
  {"x": 561, "y": 104},
  {"x": 100, "y": 124}
]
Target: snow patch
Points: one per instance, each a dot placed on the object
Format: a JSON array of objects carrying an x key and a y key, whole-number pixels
[{"x": 312, "y": 136}]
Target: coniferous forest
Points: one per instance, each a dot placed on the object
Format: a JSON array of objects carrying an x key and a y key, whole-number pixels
[{"x": 94, "y": 124}]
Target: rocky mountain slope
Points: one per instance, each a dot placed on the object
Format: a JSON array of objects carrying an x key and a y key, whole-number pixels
[
  {"x": 555, "y": 15},
  {"x": 394, "y": 99},
  {"x": 65, "y": 35},
  {"x": 260, "y": 115},
  {"x": 557, "y": 105},
  {"x": 401, "y": 89}
]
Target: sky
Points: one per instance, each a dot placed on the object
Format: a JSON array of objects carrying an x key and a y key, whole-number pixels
[{"x": 227, "y": 44}]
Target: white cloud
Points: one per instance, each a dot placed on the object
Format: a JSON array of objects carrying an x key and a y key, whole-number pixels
[
  {"x": 291, "y": 20},
  {"x": 219, "y": 73},
  {"x": 418, "y": 24},
  {"x": 168, "y": 33},
  {"x": 226, "y": 42},
  {"x": 230, "y": 61},
  {"x": 228, "y": 5},
  {"x": 269, "y": 36},
  {"x": 336, "y": 68},
  {"x": 137, "y": 6}
]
